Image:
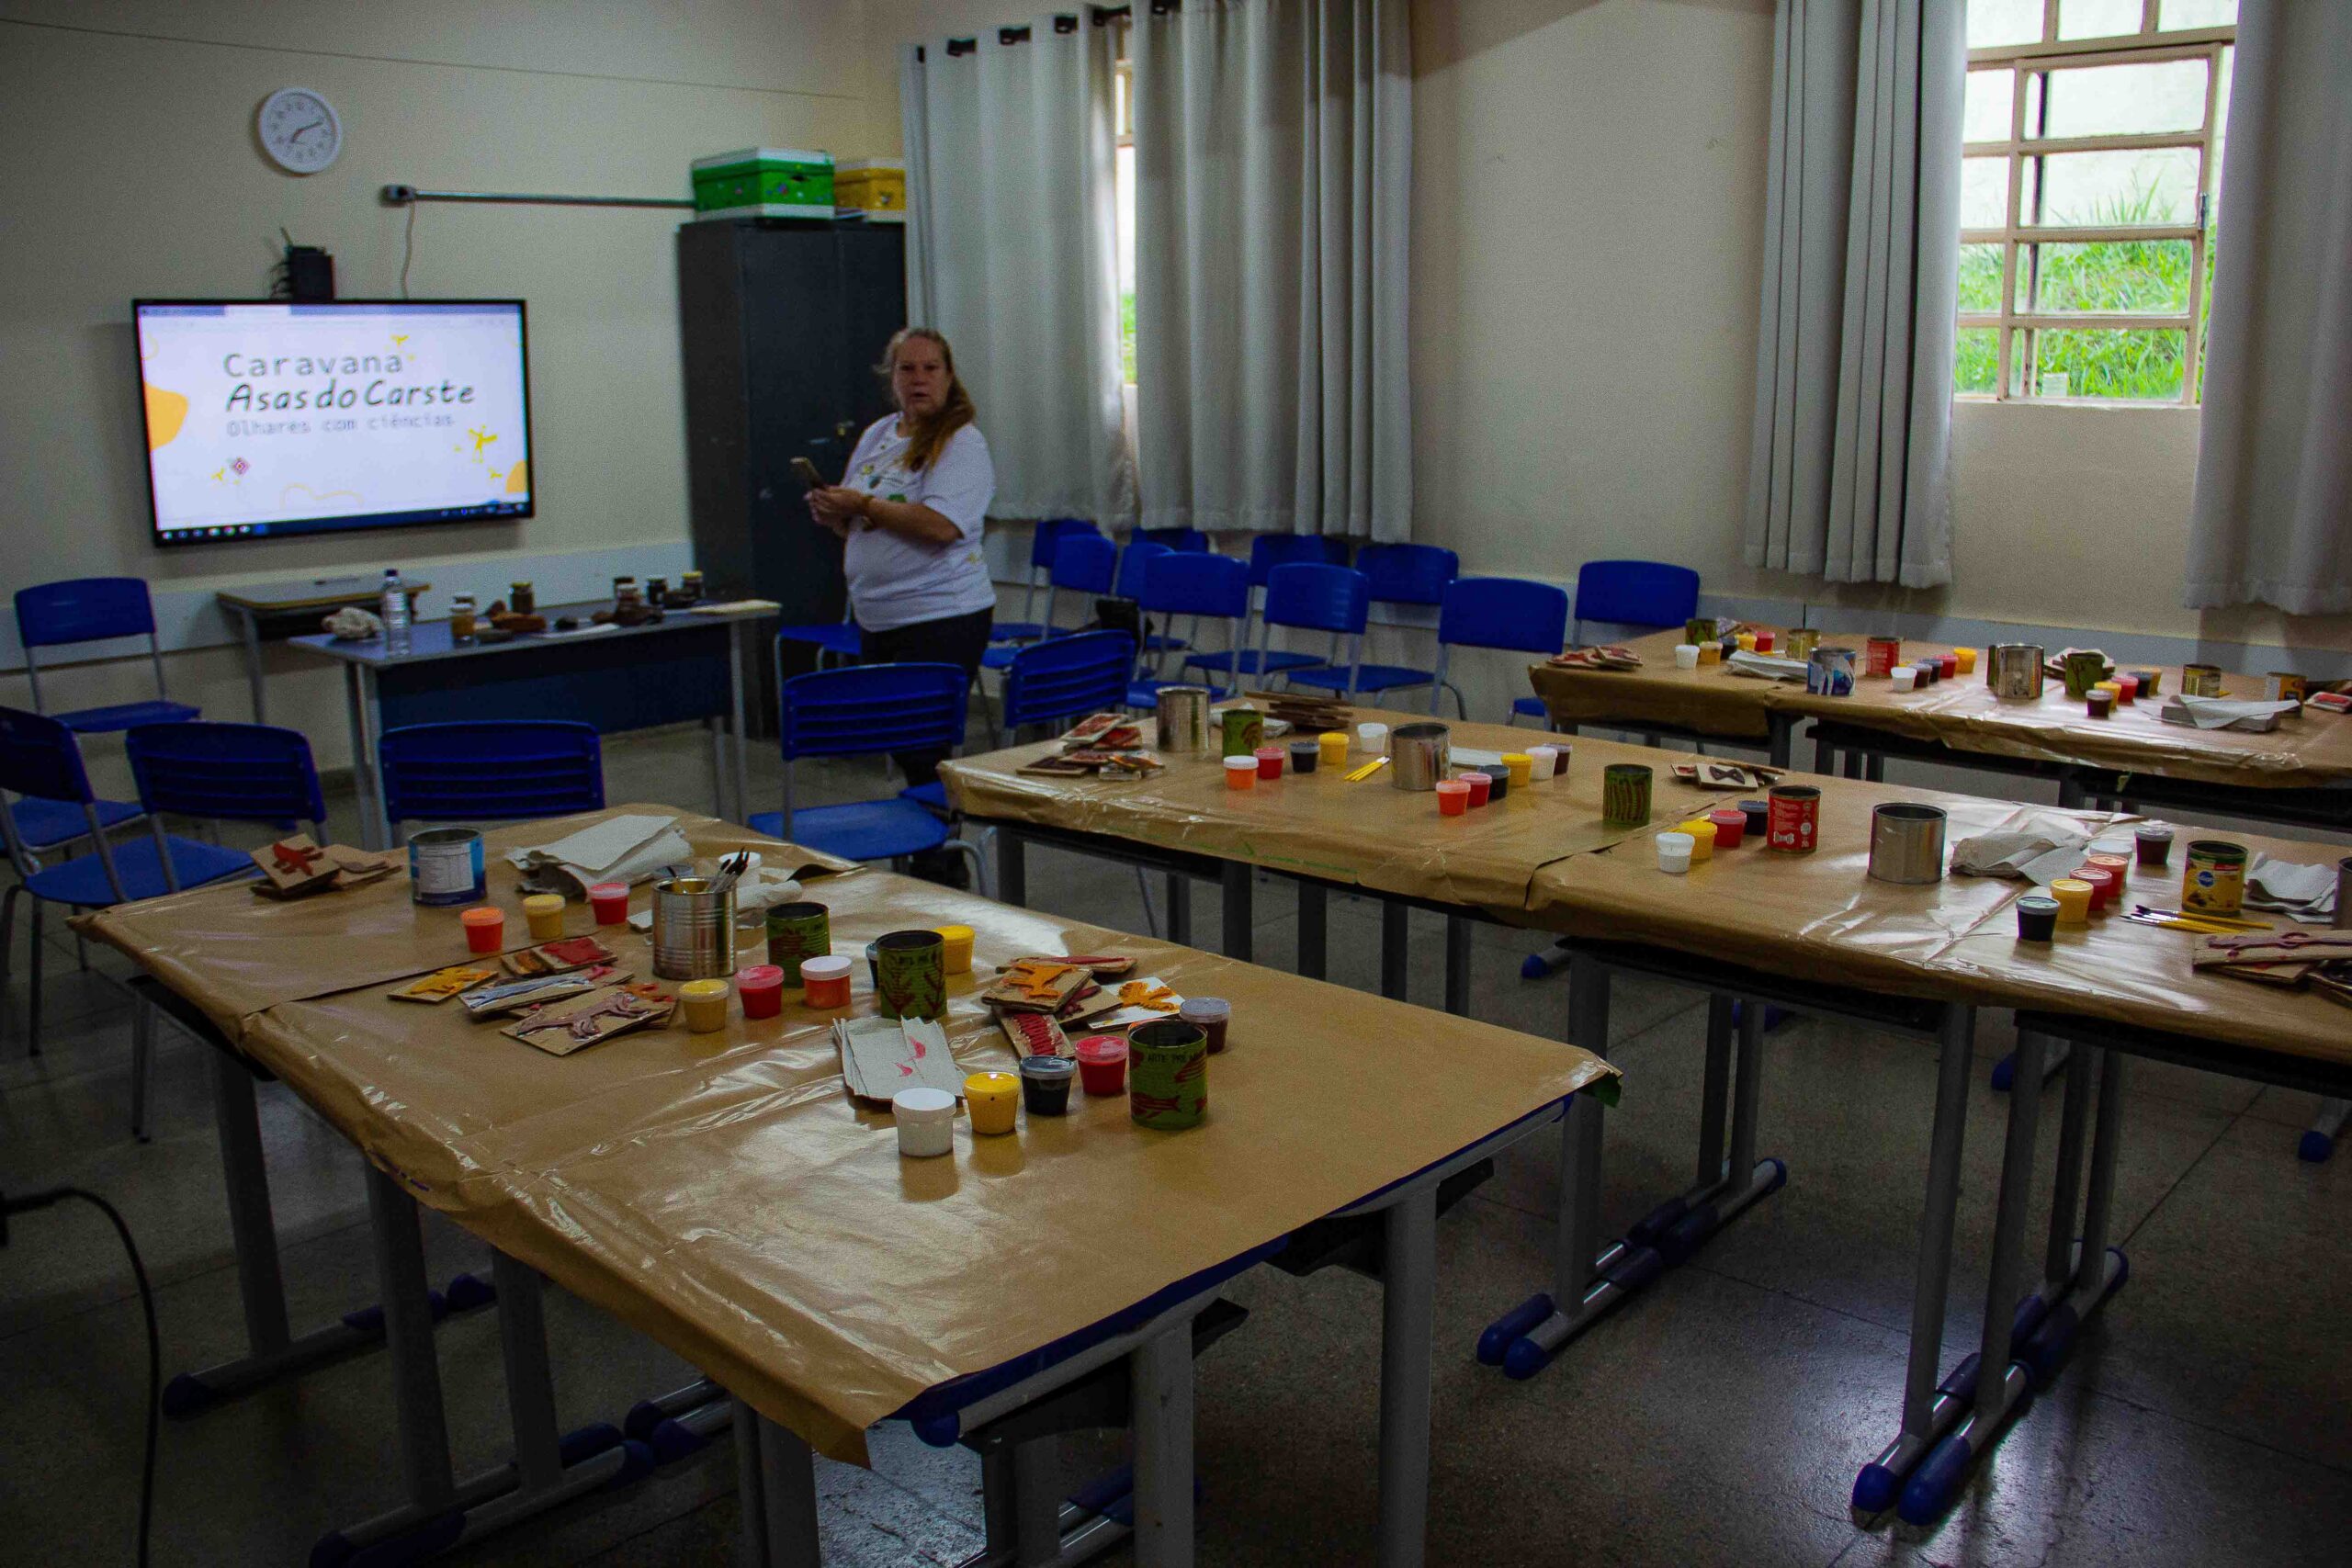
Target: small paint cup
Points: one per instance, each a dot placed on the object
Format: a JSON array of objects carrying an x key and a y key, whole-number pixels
[
  {"x": 2151, "y": 680},
  {"x": 1304, "y": 755},
  {"x": 1685, "y": 656},
  {"x": 1372, "y": 739},
  {"x": 1946, "y": 666},
  {"x": 1731, "y": 827},
  {"x": 1241, "y": 772},
  {"x": 1760, "y": 816},
  {"x": 1333, "y": 744},
  {"x": 1546, "y": 761},
  {"x": 2037, "y": 916},
  {"x": 1500, "y": 777},
  {"x": 608, "y": 901},
  {"x": 1766, "y": 641},
  {"x": 2111, "y": 860},
  {"x": 1213, "y": 1014},
  {"x": 544, "y": 913},
  {"x": 761, "y": 988},
  {"x": 1746, "y": 642},
  {"x": 1965, "y": 660},
  {"x": 1702, "y": 838},
  {"x": 1906, "y": 678},
  {"x": 2074, "y": 896},
  {"x": 926, "y": 1119},
  {"x": 1711, "y": 653},
  {"x": 1452, "y": 797},
  {"x": 825, "y": 981},
  {"x": 1674, "y": 852},
  {"x": 1045, "y": 1085},
  {"x": 1481, "y": 785},
  {"x": 991, "y": 1098},
  {"x": 706, "y": 1005},
  {"x": 1519, "y": 766},
  {"x": 2127, "y": 690},
  {"x": 2099, "y": 704},
  {"x": 1270, "y": 762},
  {"x": 2102, "y": 885},
  {"x": 1102, "y": 1065},
  {"x": 485, "y": 928},
  {"x": 956, "y": 949},
  {"x": 1562, "y": 754},
  {"x": 2154, "y": 842}
]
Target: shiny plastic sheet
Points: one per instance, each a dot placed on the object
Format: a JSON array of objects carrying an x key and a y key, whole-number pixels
[{"x": 2313, "y": 748}]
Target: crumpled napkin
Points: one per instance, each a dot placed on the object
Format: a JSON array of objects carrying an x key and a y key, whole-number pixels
[
  {"x": 1772, "y": 666},
  {"x": 2040, "y": 855},
  {"x": 621, "y": 848},
  {"x": 2220, "y": 713},
  {"x": 2307, "y": 893}
]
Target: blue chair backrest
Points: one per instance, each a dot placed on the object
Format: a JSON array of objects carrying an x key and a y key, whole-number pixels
[
  {"x": 1637, "y": 593},
  {"x": 1189, "y": 540},
  {"x": 1187, "y": 584},
  {"x": 38, "y": 757},
  {"x": 1067, "y": 677},
  {"x": 1087, "y": 562},
  {"x": 1407, "y": 574},
  {"x": 1504, "y": 612},
  {"x": 83, "y": 609},
  {"x": 871, "y": 707},
  {"x": 1317, "y": 598},
  {"x": 1049, "y": 533},
  {"x": 1133, "y": 562},
  {"x": 1267, "y": 551},
  {"x": 505, "y": 770},
  {"x": 238, "y": 772}
]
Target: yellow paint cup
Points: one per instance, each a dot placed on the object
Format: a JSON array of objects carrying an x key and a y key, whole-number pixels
[
  {"x": 1965, "y": 660},
  {"x": 990, "y": 1098},
  {"x": 706, "y": 1005},
  {"x": 957, "y": 941},
  {"x": 1711, "y": 653},
  {"x": 1521, "y": 766},
  {"x": 1702, "y": 838},
  {"x": 545, "y": 913},
  {"x": 1334, "y": 745},
  {"x": 2073, "y": 897},
  {"x": 1746, "y": 642}
]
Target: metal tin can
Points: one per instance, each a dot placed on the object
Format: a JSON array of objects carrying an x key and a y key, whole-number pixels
[
  {"x": 1829, "y": 672},
  {"x": 522, "y": 599},
  {"x": 2083, "y": 670},
  {"x": 1798, "y": 642},
  {"x": 693, "y": 930},
  {"x": 1183, "y": 714},
  {"x": 1907, "y": 843},
  {"x": 1883, "y": 653},
  {"x": 2285, "y": 685},
  {"x": 911, "y": 974},
  {"x": 1167, "y": 1074},
  {"x": 445, "y": 867},
  {"x": 796, "y": 931},
  {"x": 1417, "y": 754},
  {"x": 1626, "y": 792},
  {"x": 2201, "y": 680},
  {"x": 1700, "y": 629},
  {"x": 1245, "y": 731},
  {"x": 2016, "y": 670},
  {"x": 1794, "y": 824},
  {"x": 2212, "y": 881}
]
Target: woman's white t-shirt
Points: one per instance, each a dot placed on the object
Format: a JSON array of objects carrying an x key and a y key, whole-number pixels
[{"x": 896, "y": 581}]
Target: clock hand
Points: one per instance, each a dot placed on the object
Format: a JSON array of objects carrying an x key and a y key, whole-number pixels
[{"x": 297, "y": 135}]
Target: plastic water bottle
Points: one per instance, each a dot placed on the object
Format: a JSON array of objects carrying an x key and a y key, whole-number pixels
[{"x": 394, "y": 609}]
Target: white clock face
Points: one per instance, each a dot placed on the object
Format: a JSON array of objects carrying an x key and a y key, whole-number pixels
[{"x": 299, "y": 128}]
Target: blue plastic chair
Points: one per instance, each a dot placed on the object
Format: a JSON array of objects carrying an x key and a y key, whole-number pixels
[
  {"x": 1084, "y": 562},
  {"x": 38, "y": 757},
  {"x": 1396, "y": 574},
  {"x": 1043, "y": 541},
  {"x": 95, "y": 609},
  {"x": 1195, "y": 585},
  {"x": 1133, "y": 564},
  {"x": 1189, "y": 540},
  {"x": 853, "y": 712},
  {"x": 843, "y": 639},
  {"x": 1267, "y": 551},
  {"x": 502, "y": 771},
  {"x": 1334, "y": 599},
  {"x": 1507, "y": 613},
  {"x": 1067, "y": 677},
  {"x": 1644, "y": 593}
]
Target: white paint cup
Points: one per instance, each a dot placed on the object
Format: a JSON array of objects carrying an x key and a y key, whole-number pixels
[
  {"x": 926, "y": 1119},
  {"x": 1674, "y": 853},
  {"x": 1685, "y": 656}
]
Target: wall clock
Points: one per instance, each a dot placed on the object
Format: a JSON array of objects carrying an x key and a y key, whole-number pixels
[{"x": 299, "y": 131}]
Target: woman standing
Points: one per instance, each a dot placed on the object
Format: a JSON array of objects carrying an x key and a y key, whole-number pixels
[{"x": 912, "y": 509}]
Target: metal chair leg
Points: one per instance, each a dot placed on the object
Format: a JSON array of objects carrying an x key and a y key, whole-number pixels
[
  {"x": 980, "y": 866},
  {"x": 7, "y": 931},
  {"x": 142, "y": 1063},
  {"x": 1143, "y": 886},
  {"x": 32, "y": 1022}
]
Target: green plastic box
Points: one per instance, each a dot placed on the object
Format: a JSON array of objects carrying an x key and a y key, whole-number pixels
[{"x": 764, "y": 182}]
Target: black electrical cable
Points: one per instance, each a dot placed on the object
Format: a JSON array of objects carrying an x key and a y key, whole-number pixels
[
  {"x": 43, "y": 1199},
  {"x": 408, "y": 247}
]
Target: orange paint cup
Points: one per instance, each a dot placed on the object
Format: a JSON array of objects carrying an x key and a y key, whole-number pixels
[
  {"x": 1241, "y": 772},
  {"x": 485, "y": 928},
  {"x": 1452, "y": 797}
]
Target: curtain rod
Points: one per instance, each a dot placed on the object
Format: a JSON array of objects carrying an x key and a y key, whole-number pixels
[{"x": 403, "y": 195}]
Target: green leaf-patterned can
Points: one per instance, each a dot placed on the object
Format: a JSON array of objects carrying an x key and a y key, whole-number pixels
[
  {"x": 1626, "y": 792},
  {"x": 1167, "y": 1074},
  {"x": 911, "y": 974},
  {"x": 796, "y": 931}
]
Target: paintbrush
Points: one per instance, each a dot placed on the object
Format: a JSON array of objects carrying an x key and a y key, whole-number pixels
[
  {"x": 2228, "y": 923},
  {"x": 1368, "y": 770},
  {"x": 731, "y": 871}
]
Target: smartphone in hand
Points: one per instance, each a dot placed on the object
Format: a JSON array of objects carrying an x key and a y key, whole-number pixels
[{"x": 806, "y": 472}]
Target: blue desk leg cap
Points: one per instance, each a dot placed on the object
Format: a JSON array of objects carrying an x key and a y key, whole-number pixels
[
  {"x": 1532, "y": 968},
  {"x": 1647, "y": 1230},
  {"x": 643, "y": 1418},
  {"x": 1497, "y": 1340},
  {"x": 1524, "y": 1359},
  {"x": 1935, "y": 1482},
  {"x": 673, "y": 1440},
  {"x": 636, "y": 1464},
  {"x": 587, "y": 1442},
  {"x": 1875, "y": 1489},
  {"x": 187, "y": 1396},
  {"x": 467, "y": 1292},
  {"x": 2005, "y": 1072},
  {"x": 2314, "y": 1146},
  {"x": 939, "y": 1431},
  {"x": 1779, "y": 1176}
]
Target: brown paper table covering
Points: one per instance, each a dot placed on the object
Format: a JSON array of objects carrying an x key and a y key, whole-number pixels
[
  {"x": 234, "y": 954},
  {"x": 721, "y": 1193},
  {"x": 2308, "y": 750},
  {"x": 1370, "y": 834}
]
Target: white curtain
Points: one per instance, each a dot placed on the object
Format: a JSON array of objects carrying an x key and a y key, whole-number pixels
[
  {"x": 2271, "y": 518},
  {"x": 1013, "y": 253},
  {"x": 1274, "y": 166},
  {"x": 1849, "y": 466}
]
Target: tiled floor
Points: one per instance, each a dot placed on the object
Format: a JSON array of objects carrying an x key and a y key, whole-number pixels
[{"x": 1716, "y": 1419}]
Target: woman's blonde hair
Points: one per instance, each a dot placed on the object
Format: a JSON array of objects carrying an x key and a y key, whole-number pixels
[{"x": 929, "y": 437}]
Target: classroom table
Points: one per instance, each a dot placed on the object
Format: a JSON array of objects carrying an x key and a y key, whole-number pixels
[
  {"x": 1810, "y": 933},
  {"x": 689, "y": 664},
  {"x": 2298, "y": 775},
  {"x": 274, "y": 609},
  {"x": 720, "y": 1192}
]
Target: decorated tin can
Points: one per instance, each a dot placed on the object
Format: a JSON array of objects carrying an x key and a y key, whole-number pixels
[
  {"x": 2201, "y": 680},
  {"x": 1167, "y": 1074},
  {"x": 2083, "y": 670},
  {"x": 1245, "y": 731},
  {"x": 1793, "y": 824},
  {"x": 1829, "y": 672},
  {"x": 2213, "y": 880},
  {"x": 1626, "y": 792},
  {"x": 1183, "y": 713},
  {"x": 1883, "y": 654},
  {"x": 2285, "y": 685},
  {"x": 796, "y": 931},
  {"x": 445, "y": 867},
  {"x": 1798, "y": 642},
  {"x": 1700, "y": 629},
  {"x": 911, "y": 974}
]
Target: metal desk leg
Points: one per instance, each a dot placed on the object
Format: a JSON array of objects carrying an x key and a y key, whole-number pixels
[
  {"x": 408, "y": 1335},
  {"x": 1874, "y": 767},
  {"x": 530, "y": 1385},
  {"x": 742, "y": 730},
  {"x": 1180, "y": 908},
  {"x": 1012, "y": 865},
  {"x": 1825, "y": 755},
  {"x": 2093, "y": 1269},
  {"x": 1396, "y": 948},
  {"x": 1237, "y": 886},
  {"x": 363, "y": 761},
  {"x": 1314, "y": 929},
  {"x": 251, "y": 625},
  {"x": 711, "y": 729},
  {"x": 779, "y": 1480},
  {"x": 1783, "y": 731},
  {"x": 1457, "y": 965},
  {"x": 1161, "y": 1370},
  {"x": 1714, "y": 1090},
  {"x": 1408, "y": 1313}
]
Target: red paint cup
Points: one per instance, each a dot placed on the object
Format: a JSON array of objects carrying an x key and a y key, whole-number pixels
[
  {"x": 2127, "y": 688},
  {"x": 608, "y": 901},
  {"x": 761, "y": 988},
  {"x": 485, "y": 928},
  {"x": 1731, "y": 828},
  {"x": 1946, "y": 666},
  {"x": 2103, "y": 885},
  {"x": 1452, "y": 797},
  {"x": 1102, "y": 1063},
  {"x": 1793, "y": 822},
  {"x": 1270, "y": 762},
  {"x": 1481, "y": 787},
  {"x": 1765, "y": 641}
]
